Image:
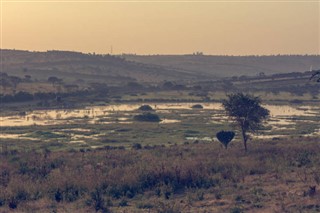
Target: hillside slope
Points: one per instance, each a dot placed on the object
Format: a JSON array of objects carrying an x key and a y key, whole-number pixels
[
  {"x": 72, "y": 66},
  {"x": 227, "y": 66},
  {"x": 118, "y": 70}
]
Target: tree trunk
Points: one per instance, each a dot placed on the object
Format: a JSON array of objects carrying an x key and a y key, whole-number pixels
[{"x": 244, "y": 137}]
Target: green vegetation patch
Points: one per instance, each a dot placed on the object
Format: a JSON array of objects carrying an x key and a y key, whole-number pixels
[{"x": 45, "y": 135}]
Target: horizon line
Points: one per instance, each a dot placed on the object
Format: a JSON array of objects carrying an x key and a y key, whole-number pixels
[{"x": 196, "y": 53}]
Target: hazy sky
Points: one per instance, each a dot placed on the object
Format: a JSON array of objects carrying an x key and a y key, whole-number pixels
[{"x": 232, "y": 28}]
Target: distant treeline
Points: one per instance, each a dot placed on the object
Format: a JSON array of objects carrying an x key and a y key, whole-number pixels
[{"x": 40, "y": 96}]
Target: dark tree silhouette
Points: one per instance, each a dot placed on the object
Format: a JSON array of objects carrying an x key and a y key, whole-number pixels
[
  {"x": 5, "y": 83},
  {"x": 245, "y": 110},
  {"x": 71, "y": 87},
  {"x": 225, "y": 137},
  {"x": 145, "y": 108},
  {"x": 147, "y": 117},
  {"x": 54, "y": 80},
  {"x": 316, "y": 75},
  {"x": 56, "y": 83},
  {"x": 27, "y": 78},
  {"x": 15, "y": 81}
]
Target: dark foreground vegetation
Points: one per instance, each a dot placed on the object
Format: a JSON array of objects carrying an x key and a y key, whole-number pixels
[{"x": 272, "y": 176}]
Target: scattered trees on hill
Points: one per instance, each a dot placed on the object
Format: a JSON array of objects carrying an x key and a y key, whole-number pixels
[
  {"x": 7, "y": 81},
  {"x": 246, "y": 111}
]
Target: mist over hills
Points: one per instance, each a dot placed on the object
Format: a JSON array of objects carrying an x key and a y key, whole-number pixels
[
  {"x": 111, "y": 69},
  {"x": 227, "y": 66}
]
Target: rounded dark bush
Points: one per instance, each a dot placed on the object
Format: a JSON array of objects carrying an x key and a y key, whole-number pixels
[
  {"x": 13, "y": 203},
  {"x": 145, "y": 108},
  {"x": 136, "y": 146},
  {"x": 225, "y": 137},
  {"x": 197, "y": 106},
  {"x": 148, "y": 117}
]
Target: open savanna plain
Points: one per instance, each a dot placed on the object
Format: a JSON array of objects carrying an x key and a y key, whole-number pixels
[
  {"x": 99, "y": 158},
  {"x": 274, "y": 176}
]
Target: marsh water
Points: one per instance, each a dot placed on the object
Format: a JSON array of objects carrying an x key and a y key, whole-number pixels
[{"x": 284, "y": 120}]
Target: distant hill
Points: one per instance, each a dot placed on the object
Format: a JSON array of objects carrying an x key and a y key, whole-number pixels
[
  {"x": 75, "y": 66},
  {"x": 227, "y": 66},
  {"x": 119, "y": 70}
]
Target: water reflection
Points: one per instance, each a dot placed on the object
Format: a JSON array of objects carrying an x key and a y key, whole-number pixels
[
  {"x": 282, "y": 116},
  {"x": 169, "y": 121}
]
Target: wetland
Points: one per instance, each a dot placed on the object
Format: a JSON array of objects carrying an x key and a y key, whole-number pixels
[{"x": 114, "y": 125}]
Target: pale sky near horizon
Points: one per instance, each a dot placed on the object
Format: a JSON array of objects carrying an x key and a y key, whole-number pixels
[{"x": 217, "y": 28}]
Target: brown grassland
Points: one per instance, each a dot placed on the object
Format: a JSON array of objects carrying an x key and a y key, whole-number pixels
[{"x": 273, "y": 176}]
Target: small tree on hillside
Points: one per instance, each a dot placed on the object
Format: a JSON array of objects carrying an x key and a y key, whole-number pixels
[
  {"x": 54, "y": 80},
  {"x": 245, "y": 110},
  {"x": 316, "y": 75},
  {"x": 15, "y": 81},
  {"x": 56, "y": 83},
  {"x": 5, "y": 83}
]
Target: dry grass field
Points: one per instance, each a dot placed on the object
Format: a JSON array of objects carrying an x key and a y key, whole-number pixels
[{"x": 274, "y": 176}]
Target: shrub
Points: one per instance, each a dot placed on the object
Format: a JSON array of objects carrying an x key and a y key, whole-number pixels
[
  {"x": 236, "y": 210},
  {"x": 145, "y": 108},
  {"x": 13, "y": 203},
  {"x": 2, "y": 201},
  {"x": 225, "y": 137},
  {"x": 69, "y": 193},
  {"x": 147, "y": 117},
  {"x": 169, "y": 207},
  {"x": 136, "y": 146},
  {"x": 144, "y": 206},
  {"x": 4, "y": 176},
  {"x": 197, "y": 106},
  {"x": 303, "y": 158},
  {"x": 200, "y": 195},
  {"x": 22, "y": 195},
  {"x": 98, "y": 201},
  {"x": 58, "y": 196},
  {"x": 123, "y": 202}
]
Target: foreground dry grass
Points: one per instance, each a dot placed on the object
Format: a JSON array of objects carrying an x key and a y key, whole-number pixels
[{"x": 274, "y": 176}]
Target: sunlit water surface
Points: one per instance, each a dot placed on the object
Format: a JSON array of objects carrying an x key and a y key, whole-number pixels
[{"x": 281, "y": 117}]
